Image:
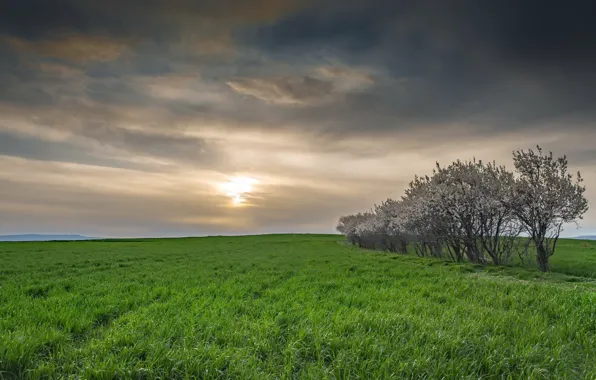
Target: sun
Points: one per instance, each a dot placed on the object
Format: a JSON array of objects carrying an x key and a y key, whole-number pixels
[{"x": 237, "y": 187}]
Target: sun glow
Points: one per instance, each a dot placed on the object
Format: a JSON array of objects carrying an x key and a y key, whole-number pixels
[{"x": 237, "y": 188}]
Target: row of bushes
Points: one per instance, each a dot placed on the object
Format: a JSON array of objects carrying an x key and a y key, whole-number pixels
[{"x": 477, "y": 211}]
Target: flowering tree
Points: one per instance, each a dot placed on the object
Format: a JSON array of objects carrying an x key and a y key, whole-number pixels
[
  {"x": 389, "y": 223},
  {"x": 419, "y": 217},
  {"x": 476, "y": 211},
  {"x": 499, "y": 228},
  {"x": 347, "y": 226},
  {"x": 547, "y": 197},
  {"x": 368, "y": 232},
  {"x": 458, "y": 189}
]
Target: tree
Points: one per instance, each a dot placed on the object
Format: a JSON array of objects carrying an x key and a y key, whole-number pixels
[
  {"x": 367, "y": 231},
  {"x": 347, "y": 226},
  {"x": 421, "y": 221},
  {"x": 472, "y": 203},
  {"x": 546, "y": 198},
  {"x": 458, "y": 192},
  {"x": 389, "y": 223},
  {"x": 476, "y": 211},
  {"x": 499, "y": 227}
]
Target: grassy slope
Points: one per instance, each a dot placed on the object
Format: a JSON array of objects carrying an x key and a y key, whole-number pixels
[
  {"x": 287, "y": 306},
  {"x": 575, "y": 257}
]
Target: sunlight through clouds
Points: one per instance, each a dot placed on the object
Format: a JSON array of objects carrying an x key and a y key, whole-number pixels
[{"x": 237, "y": 188}]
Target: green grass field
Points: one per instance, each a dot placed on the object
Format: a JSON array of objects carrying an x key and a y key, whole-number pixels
[{"x": 284, "y": 306}]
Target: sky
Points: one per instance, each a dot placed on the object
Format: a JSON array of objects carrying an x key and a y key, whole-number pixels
[{"x": 179, "y": 117}]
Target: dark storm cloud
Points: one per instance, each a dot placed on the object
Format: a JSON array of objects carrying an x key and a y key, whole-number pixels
[
  {"x": 40, "y": 19},
  {"x": 445, "y": 78},
  {"x": 508, "y": 63},
  {"x": 544, "y": 32},
  {"x": 353, "y": 26},
  {"x": 37, "y": 18},
  {"x": 156, "y": 19}
]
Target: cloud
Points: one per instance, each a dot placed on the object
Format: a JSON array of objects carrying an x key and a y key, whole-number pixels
[
  {"x": 158, "y": 145},
  {"x": 506, "y": 63},
  {"x": 61, "y": 70},
  {"x": 332, "y": 105},
  {"x": 74, "y": 29},
  {"x": 286, "y": 90},
  {"x": 37, "y": 149},
  {"x": 509, "y": 30},
  {"x": 347, "y": 79},
  {"x": 325, "y": 84},
  {"x": 73, "y": 48},
  {"x": 102, "y": 134}
]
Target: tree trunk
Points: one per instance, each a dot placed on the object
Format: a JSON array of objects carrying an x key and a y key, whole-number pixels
[
  {"x": 404, "y": 246},
  {"x": 437, "y": 250},
  {"x": 471, "y": 252},
  {"x": 542, "y": 257}
]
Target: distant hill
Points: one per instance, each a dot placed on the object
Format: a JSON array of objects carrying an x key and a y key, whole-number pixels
[
  {"x": 586, "y": 237},
  {"x": 37, "y": 237}
]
